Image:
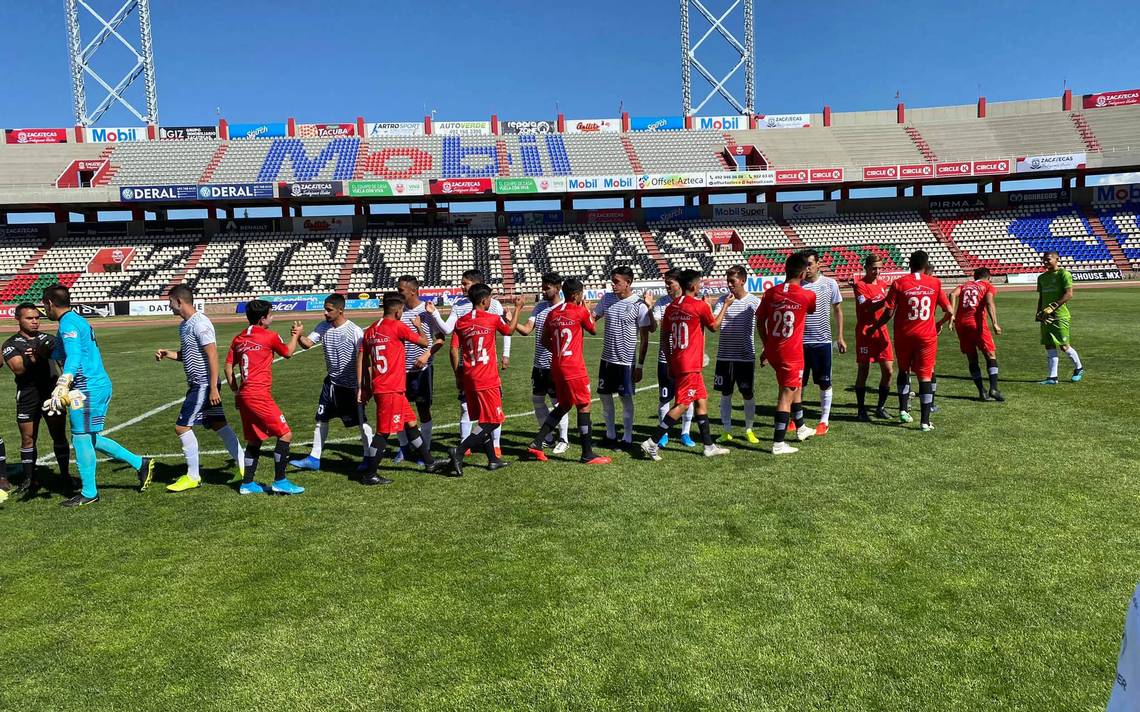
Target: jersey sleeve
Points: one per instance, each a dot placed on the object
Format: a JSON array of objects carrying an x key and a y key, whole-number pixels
[
  {"x": 762, "y": 314},
  {"x": 503, "y": 327},
  {"x": 277, "y": 344},
  {"x": 944, "y": 301},
  {"x": 836, "y": 295},
  {"x": 230, "y": 353},
  {"x": 706, "y": 314},
  {"x": 1066, "y": 279},
  {"x": 205, "y": 333},
  {"x": 588, "y": 322},
  {"x": 643, "y": 320},
  {"x": 407, "y": 333},
  {"x": 600, "y": 307},
  {"x": 70, "y": 346},
  {"x": 892, "y": 296}
]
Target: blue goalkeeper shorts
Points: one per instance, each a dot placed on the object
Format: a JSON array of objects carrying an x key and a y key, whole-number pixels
[{"x": 89, "y": 418}]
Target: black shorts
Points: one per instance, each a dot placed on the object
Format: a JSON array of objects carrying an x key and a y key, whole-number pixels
[
  {"x": 817, "y": 365},
  {"x": 740, "y": 375},
  {"x": 615, "y": 378},
  {"x": 541, "y": 384},
  {"x": 30, "y": 402},
  {"x": 665, "y": 383},
  {"x": 418, "y": 385},
  {"x": 339, "y": 402}
]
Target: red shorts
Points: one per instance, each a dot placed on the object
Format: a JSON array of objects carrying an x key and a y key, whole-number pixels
[
  {"x": 873, "y": 349},
  {"x": 573, "y": 391},
  {"x": 971, "y": 338},
  {"x": 485, "y": 405},
  {"x": 392, "y": 413},
  {"x": 789, "y": 374},
  {"x": 917, "y": 357},
  {"x": 689, "y": 388},
  {"x": 261, "y": 419}
]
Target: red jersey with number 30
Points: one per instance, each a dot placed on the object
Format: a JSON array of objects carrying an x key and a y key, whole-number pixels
[
  {"x": 914, "y": 297},
  {"x": 972, "y": 303},
  {"x": 562, "y": 336},
  {"x": 476, "y": 334},
  {"x": 783, "y": 312},
  {"x": 383, "y": 343},
  {"x": 252, "y": 352},
  {"x": 683, "y": 331}
]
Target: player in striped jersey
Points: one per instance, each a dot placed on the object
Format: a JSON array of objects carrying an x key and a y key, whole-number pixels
[
  {"x": 198, "y": 352},
  {"x": 665, "y": 384},
  {"x": 627, "y": 328},
  {"x": 340, "y": 339},
  {"x": 541, "y": 383},
  {"x": 736, "y": 353},
  {"x": 817, "y": 338},
  {"x": 419, "y": 362}
]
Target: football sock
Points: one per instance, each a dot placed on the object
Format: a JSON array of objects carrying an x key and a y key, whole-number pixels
[
  {"x": 884, "y": 394},
  {"x": 366, "y": 439},
  {"x": 749, "y": 413},
  {"x": 401, "y": 439},
  {"x": 190, "y": 450},
  {"x": 663, "y": 408},
  {"x": 627, "y": 418},
  {"x": 1072, "y": 354},
  {"x": 252, "y": 455},
  {"x": 380, "y": 445},
  {"x": 63, "y": 459},
  {"x": 687, "y": 420},
  {"x": 496, "y": 435},
  {"x": 474, "y": 441},
  {"x": 230, "y": 442},
  {"x": 903, "y": 382},
  {"x": 585, "y": 433},
  {"x": 416, "y": 440},
  {"x": 825, "y": 404},
  {"x": 705, "y": 429},
  {"x": 492, "y": 443},
  {"x": 798, "y": 414},
  {"x": 464, "y": 421},
  {"x": 425, "y": 429},
  {"x": 563, "y": 424},
  {"x": 540, "y": 409},
  {"x": 553, "y": 420},
  {"x": 926, "y": 399},
  {"x": 3, "y": 457},
  {"x": 726, "y": 412},
  {"x": 781, "y": 429},
  {"x": 933, "y": 388},
  {"x": 280, "y": 459},
  {"x": 976, "y": 377},
  {"x": 663, "y": 428},
  {"x": 992, "y": 368},
  {"x": 608, "y": 415},
  {"x": 109, "y": 447},
  {"x": 84, "y": 445},
  {"x": 28, "y": 459},
  {"x": 320, "y": 434},
  {"x": 1051, "y": 362},
  {"x": 861, "y": 398}
]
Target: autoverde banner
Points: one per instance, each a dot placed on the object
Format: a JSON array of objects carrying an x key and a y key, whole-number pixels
[
  {"x": 521, "y": 186},
  {"x": 384, "y": 188}
]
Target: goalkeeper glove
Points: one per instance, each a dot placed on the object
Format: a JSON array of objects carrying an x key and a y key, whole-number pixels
[
  {"x": 59, "y": 396},
  {"x": 1050, "y": 308}
]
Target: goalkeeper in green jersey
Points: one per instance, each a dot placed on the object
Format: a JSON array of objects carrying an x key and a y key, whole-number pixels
[{"x": 1054, "y": 290}]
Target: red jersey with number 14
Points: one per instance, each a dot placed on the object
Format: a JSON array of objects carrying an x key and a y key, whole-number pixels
[
  {"x": 972, "y": 303},
  {"x": 562, "y": 336},
  {"x": 914, "y": 297},
  {"x": 252, "y": 352},
  {"x": 783, "y": 312},
  {"x": 684, "y": 324},
  {"x": 383, "y": 343},
  {"x": 476, "y": 334}
]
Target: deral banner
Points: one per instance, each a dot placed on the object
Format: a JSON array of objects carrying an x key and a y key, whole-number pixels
[
  {"x": 235, "y": 191},
  {"x": 142, "y": 193}
]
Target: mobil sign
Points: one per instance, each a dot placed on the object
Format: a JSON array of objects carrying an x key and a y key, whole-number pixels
[
  {"x": 100, "y": 135},
  {"x": 1117, "y": 194},
  {"x": 720, "y": 123}
]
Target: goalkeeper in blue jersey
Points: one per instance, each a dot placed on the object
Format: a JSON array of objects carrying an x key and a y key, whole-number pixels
[{"x": 84, "y": 391}]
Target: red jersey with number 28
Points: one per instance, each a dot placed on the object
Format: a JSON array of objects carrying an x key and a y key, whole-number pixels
[
  {"x": 252, "y": 352},
  {"x": 684, "y": 323},
  {"x": 783, "y": 312},
  {"x": 972, "y": 303},
  {"x": 562, "y": 336},
  {"x": 383, "y": 342},
  {"x": 476, "y": 333},
  {"x": 914, "y": 297}
]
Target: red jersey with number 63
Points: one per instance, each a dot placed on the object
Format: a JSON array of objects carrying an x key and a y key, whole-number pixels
[
  {"x": 783, "y": 312},
  {"x": 914, "y": 298},
  {"x": 252, "y": 352},
  {"x": 383, "y": 343},
  {"x": 684, "y": 323},
  {"x": 972, "y": 303},
  {"x": 562, "y": 336},
  {"x": 476, "y": 333}
]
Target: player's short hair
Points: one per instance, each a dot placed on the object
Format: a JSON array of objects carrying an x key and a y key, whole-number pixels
[
  {"x": 552, "y": 278},
  {"x": 623, "y": 271},
  {"x": 478, "y": 292},
  {"x": 182, "y": 293},
  {"x": 688, "y": 279},
  {"x": 982, "y": 273},
  {"x": 795, "y": 265},
  {"x": 58, "y": 295},
  {"x": 1052, "y": 252},
  {"x": 336, "y": 301},
  {"x": 671, "y": 274},
  {"x": 870, "y": 260},
  {"x": 409, "y": 279},
  {"x": 256, "y": 310},
  {"x": 25, "y": 305},
  {"x": 737, "y": 271},
  {"x": 919, "y": 260},
  {"x": 474, "y": 275},
  {"x": 571, "y": 287},
  {"x": 810, "y": 252},
  {"x": 392, "y": 302}
]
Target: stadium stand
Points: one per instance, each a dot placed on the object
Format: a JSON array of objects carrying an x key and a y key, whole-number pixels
[
  {"x": 679, "y": 152},
  {"x": 998, "y": 137},
  {"x": 438, "y": 255},
  {"x": 239, "y": 265},
  {"x": 1122, "y": 221},
  {"x": 844, "y": 240},
  {"x": 587, "y": 252},
  {"x": 686, "y": 247}
]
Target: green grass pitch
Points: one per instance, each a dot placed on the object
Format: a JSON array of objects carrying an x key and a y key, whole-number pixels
[{"x": 984, "y": 566}]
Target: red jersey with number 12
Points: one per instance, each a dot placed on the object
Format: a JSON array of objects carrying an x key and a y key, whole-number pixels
[
  {"x": 684, "y": 324},
  {"x": 914, "y": 297},
  {"x": 252, "y": 352},
  {"x": 384, "y": 344},
  {"x": 562, "y": 336},
  {"x": 476, "y": 333},
  {"x": 972, "y": 303},
  {"x": 783, "y": 312}
]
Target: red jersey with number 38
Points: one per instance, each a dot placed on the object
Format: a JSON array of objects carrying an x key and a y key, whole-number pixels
[
  {"x": 783, "y": 312},
  {"x": 383, "y": 343},
  {"x": 562, "y": 336},
  {"x": 683, "y": 325},
  {"x": 252, "y": 352},
  {"x": 914, "y": 298},
  {"x": 476, "y": 334}
]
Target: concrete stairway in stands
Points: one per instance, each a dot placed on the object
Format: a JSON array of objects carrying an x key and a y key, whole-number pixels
[
  {"x": 191, "y": 262},
  {"x": 215, "y": 161},
  {"x": 501, "y": 156},
  {"x": 112, "y": 169},
  {"x": 654, "y": 250},
  {"x": 946, "y": 239},
  {"x": 631, "y": 154},
  {"x": 345, "y": 273},
  {"x": 790, "y": 233},
  {"x": 921, "y": 144},
  {"x": 507, "y": 262},
  {"x": 1110, "y": 241},
  {"x": 1082, "y": 126}
]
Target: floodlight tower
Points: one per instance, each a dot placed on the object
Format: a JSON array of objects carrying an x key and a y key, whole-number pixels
[
  {"x": 747, "y": 51},
  {"x": 81, "y": 56}
]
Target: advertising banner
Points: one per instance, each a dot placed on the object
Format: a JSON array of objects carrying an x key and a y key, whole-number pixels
[
  {"x": 676, "y": 181},
  {"x": 748, "y": 211},
  {"x": 986, "y": 168},
  {"x": 235, "y": 191},
  {"x": 672, "y": 213},
  {"x": 720, "y": 123},
  {"x": 612, "y": 215},
  {"x": 740, "y": 179},
  {"x": 251, "y": 225},
  {"x": 788, "y": 176},
  {"x": 461, "y": 186},
  {"x": 972, "y": 204},
  {"x": 96, "y": 134},
  {"x": 720, "y": 236},
  {"x": 1029, "y": 197},
  {"x": 656, "y": 123},
  {"x": 141, "y": 193},
  {"x": 384, "y": 188},
  {"x": 325, "y": 130},
  {"x": 523, "y": 186},
  {"x": 313, "y": 189},
  {"x": 462, "y": 128},
  {"x": 273, "y": 130},
  {"x": 917, "y": 171},
  {"x": 574, "y": 184},
  {"x": 99, "y": 310},
  {"x": 528, "y": 127},
  {"x": 957, "y": 169},
  {"x": 545, "y": 217},
  {"x": 760, "y": 283},
  {"x": 1055, "y": 162},
  {"x": 799, "y": 210},
  {"x": 156, "y": 307},
  {"x": 394, "y": 128},
  {"x": 593, "y": 125},
  {"x": 473, "y": 221},
  {"x": 1097, "y": 275},
  {"x": 187, "y": 133},
  {"x": 322, "y": 225},
  {"x": 283, "y": 305},
  {"x": 110, "y": 259},
  {"x": 1113, "y": 98},
  {"x": 783, "y": 121},
  {"x": 1022, "y": 278},
  {"x": 826, "y": 175},
  {"x": 35, "y": 136},
  {"x": 880, "y": 172},
  {"x": 1123, "y": 193}
]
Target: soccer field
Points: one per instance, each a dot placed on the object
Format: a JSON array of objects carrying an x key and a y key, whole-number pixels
[{"x": 985, "y": 565}]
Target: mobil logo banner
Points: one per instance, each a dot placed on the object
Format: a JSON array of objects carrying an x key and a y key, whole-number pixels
[
  {"x": 992, "y": 167},
  {"x": 720, "y": 123},
  {"x": 1112, "y": 98},
  {"x": 461, "y": 186},
  {"x": 748, "y": 211},
  {"x": 593, "y": 125},
  {"x": 740, "y": 179},
  {"x": 656, "y": 123},
  {"x": 325, "y": 130},
  {"x": 235, "y": 191},
  {"x": 953, "y": 169},
  {"x": 880, "y": 172},
  {"x": 394, "y": 128},
  {"x": 800, "y": 210},
  {"x": 273, "y": 130},
  {"x": 187, "y": 133},
  {"x": 1054, "y": 162},
  {"x": 760, "y": 283},
  {"x": 528, "y": 127},
  {"x": 917, "y": 171},
  {"x": 1117, "y": 194},
  {"x": 783, "y": 121},
  {"x": 100, "y": 135},
  {"x": 143, "y": 193},
  {"x": 792, "y": 175},
  {"x": 675, "y": 181},
  {"x": 462, "y": 128},
  {"x": 576, "y": 184},
  {"x": 826, "y": 175},
  {"x": 26, "y": 136}
]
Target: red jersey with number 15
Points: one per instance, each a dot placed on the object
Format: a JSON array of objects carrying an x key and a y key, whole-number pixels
[
  {"x": 252, "y": 352},
  {"x": 783, "y": 312},
  {"x": 972, "y": 303},
  {"x": 476, "y": 335},
  {"x": 562, "y": 336},
  {"x": 684, "y": 323},
  {"x": 383, "y": 342},
  {"x": 914, "y": 297}
]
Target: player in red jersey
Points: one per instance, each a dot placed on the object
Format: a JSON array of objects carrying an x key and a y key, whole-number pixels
[
  {"x": 872, "y": 344},
  {"x": 482, "y": 389},
  {"x": 973, "y": 300},
  {"x": 252, "y": 350},
  {"x": 780, "y": 320},
  {"x": 382, "y": 357},
  {"x": 683, "y": 345},
  {"x": 911, "y": 301},
  {"x": 562, "y": 336}
]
